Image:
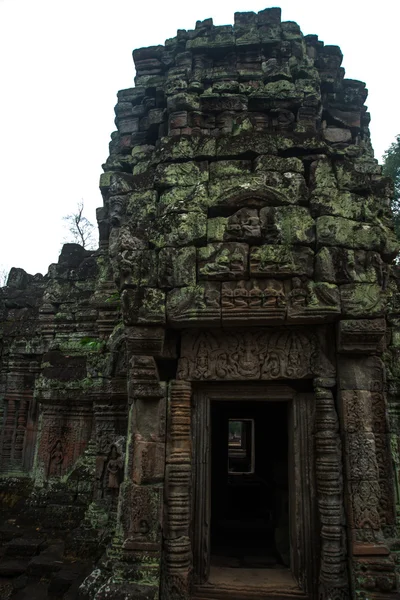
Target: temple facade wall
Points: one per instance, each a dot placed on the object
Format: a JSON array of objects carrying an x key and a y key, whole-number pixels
[{"x": 246, "y": 249}]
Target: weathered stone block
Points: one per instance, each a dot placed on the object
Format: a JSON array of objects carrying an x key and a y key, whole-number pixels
[
  {"x": 244, "y": 225},
  {"x": 149, "y": 418},
  {"x": 143, "y": 305},
  {"x": 194, "y": 304},
  {"x": 148, "y": 462},
  {"x": 187, "y": 148},
  {"x": 223, "y": 103},
  {"x": 347, "y": 118},
  {"x": 223, "y": 261},
  {"x": 331, "y": 201},
  {"x": 336, "y": 135},
  {"x": 181, "y": 174},
  {"x": 192, "y": 198},
  {"x": 225, "y": 169},
  {"x": 246, "y": 142},
  {"x": 361, "y": 373},
  {"x": 309, "y": 301},
  {"x": 287, "y": 225},
  {"x": 278, "y": 261},
  {"x": 342, "y": 265},
  {"x": 366, "y": 336},
  {"x": 148, "y": 341},
  {"x": 176, "y": 267},
  {"x": 362, "y": 300},
  {"x": 336, "y": 231},
  {"x": 141, "y": 207},
  {"x": 278, "y": 164},
  {"x": 128, "y": 125},
  {"x": 179, "y": 229}
]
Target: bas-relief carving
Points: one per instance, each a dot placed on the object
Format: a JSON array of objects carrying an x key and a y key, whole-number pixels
[
  {"x": 56, "y": 459},
  {"x": 333, "y": 581},
  {"x": 262, "y": 354},
  {"x": 278, "y": 261},
  {"x": 223, "y": 261},
  {"x": 255, "y": 300},
  {"x": 65, "y": 433},
  {"x": 110, "y": 473},
  {"x": 12, "y": 438},
  {"x": 259, "y": 301}
]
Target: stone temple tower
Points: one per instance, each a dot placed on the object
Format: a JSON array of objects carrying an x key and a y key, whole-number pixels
[{"x": 210, "y": 401}]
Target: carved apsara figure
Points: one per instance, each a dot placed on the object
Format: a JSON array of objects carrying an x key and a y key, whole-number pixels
[
  {"x": 211, "y": 298},
  {"x": 255, "y": 296},
  {"x": 113, "y": 469},
  {"x": 202, "y": 369},
  {"x": 273, "y": 297},
  {"x": 227, "y": 296},
  {"x": 237, "y": 261},
  {"x": 298, "y": 296},
  {"x": 240, "y": 295},
  {"x": 56, "y": 459},
  {"x": 244, "y": 224}
]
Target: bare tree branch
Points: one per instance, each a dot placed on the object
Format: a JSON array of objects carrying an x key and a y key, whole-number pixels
[
  {"x": 3, "y": 276},
  {"x": 81, "y": 230}
]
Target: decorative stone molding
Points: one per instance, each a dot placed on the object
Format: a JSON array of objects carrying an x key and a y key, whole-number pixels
[
  {"x": 364, "y": 336},
  {"x": 250, "y": 355}
]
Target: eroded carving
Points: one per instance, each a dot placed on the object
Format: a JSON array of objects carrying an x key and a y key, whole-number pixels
[{"x": 248, "y": 355}]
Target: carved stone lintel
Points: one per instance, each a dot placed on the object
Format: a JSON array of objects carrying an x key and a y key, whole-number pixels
[{"x": 237, "y": 355}]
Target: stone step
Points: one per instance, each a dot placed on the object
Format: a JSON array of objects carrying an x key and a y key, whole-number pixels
[
  {"x": 62, "y": 580},
  {"x": 23, "y": 546},
  {"x": 13, "y": 567},
  {"x": 8, "y": 531},
  {"x": 36, "y": 590},
  {"x": 48, "y": 561}
]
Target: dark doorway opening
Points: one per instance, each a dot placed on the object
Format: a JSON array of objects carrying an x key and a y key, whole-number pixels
[{"x": 249, "y": 485}]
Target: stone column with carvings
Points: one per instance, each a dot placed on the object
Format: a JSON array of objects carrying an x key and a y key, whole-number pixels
[
  {"x": 136, "y": 549},
  {"x": 368, "y": 465},
  {"x": 178, "y": 553},
  {"x": 333, "y": 580}
]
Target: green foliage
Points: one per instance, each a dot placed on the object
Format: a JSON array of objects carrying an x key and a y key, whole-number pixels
[
  {"x": 391, "y": 168},
  {"x": 115, "y": 297},
  {"x": 91, "y": 343}
]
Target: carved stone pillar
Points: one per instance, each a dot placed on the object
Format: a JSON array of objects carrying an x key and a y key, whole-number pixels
[
  {"x": 136, "y": 551},
  {"x": 333, "y": 581},
  {"x": 178, "y": 554},
  {"x": 369, "y": 473}
]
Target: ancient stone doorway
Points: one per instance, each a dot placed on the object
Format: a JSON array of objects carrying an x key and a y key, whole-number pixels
[
  {"x": 249, "y": 485},
  {"x": 253, "y": 492}
]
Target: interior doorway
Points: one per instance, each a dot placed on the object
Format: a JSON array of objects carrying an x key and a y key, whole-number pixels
[
  {"x": 249, "y": 485},
  {"x": 253, "y": 512}
]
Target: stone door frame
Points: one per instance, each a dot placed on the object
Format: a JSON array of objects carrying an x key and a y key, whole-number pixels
[{"x": 304, "y": 538}]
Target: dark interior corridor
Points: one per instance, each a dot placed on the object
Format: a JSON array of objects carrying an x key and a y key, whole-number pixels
[{"x": 249, "y": 484}]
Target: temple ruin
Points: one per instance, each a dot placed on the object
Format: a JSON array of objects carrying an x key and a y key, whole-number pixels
[{"x": 208, "y": 406}]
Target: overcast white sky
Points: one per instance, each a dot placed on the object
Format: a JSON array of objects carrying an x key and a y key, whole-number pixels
[{"x": 63, "y": 61}]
